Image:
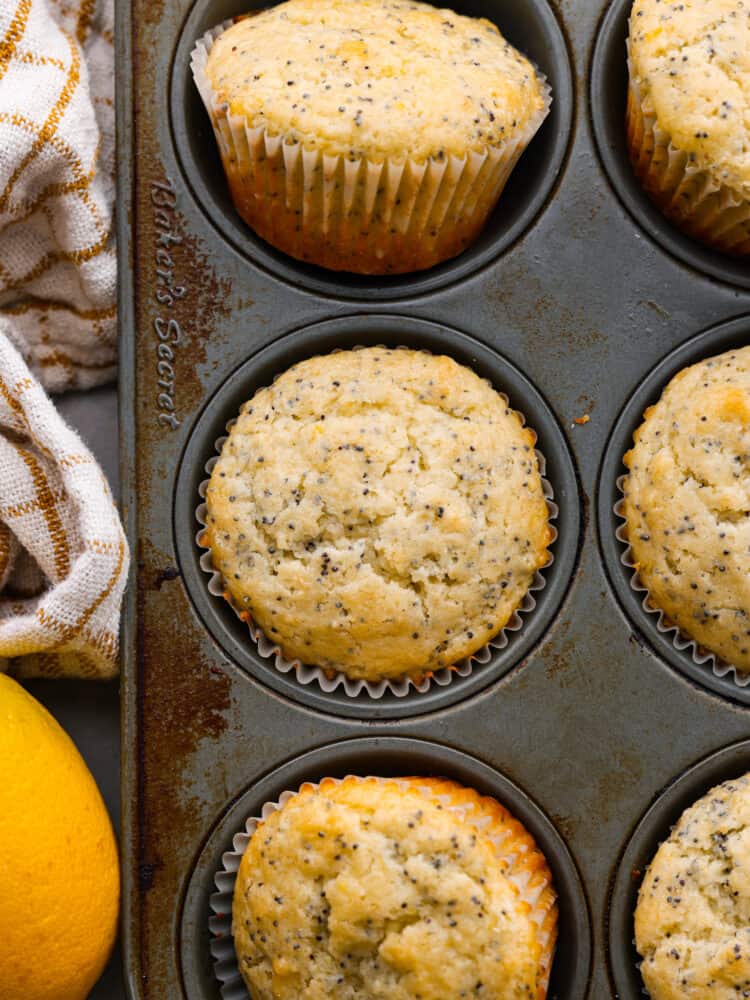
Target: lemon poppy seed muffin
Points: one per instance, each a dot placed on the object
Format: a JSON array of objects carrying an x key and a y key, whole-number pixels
[
  {"x": 687, "y": 504},
  {"x": 368, "y": 135},
  {"x": 378, "y": 512},
  {"x": 692, "y": 921},
  {"x": 393, "y": 889},
  {"x": 689, "y": 114},
  {"x": 412, "y": 78}
]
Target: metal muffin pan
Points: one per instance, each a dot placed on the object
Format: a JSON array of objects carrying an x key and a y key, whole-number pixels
[
  {"x": 389, "y": 757},
  {"x": 730, "y": 762},
  {"x": 348, "y": 332},
  {"x": 530, "y": 24},
  {"x": 609, "y": 76},
  {"x": 724, "y": 337},
  {"x": 571, "y": 313}
]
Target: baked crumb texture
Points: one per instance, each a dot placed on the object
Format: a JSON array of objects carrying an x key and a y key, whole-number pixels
[
  {"x": 395, "y": 889},
  {"x": 687, "y": 505},
  {"x": 367, "y": 135},
  {"x": 692, "y": 922},
  {"x": 688, "y": 115},
  {"x": 378, "y": 512}
]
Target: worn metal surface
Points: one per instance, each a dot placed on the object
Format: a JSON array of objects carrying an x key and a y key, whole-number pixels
[{"x": 592, "y": 723}]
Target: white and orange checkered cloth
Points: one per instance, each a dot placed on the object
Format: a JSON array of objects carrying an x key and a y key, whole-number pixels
[{"x": 63, "y": 557}]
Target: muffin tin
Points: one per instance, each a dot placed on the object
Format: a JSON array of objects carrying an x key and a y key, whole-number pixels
[
  {"x": 348, "y": 332},
  {"x": 671, "y": 646},
  {"x": 731, "y": 762},
  {"x": 609, "y": 75},
  {"x": 386, "y": 756},
  {"x": 570, "y": 303},
  {"x": 527, "y": 190}
]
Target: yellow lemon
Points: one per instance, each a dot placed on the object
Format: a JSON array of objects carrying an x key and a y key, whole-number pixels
[{"x": 59, "y": 876}]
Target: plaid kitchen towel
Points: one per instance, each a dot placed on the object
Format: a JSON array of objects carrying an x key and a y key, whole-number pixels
[
  {"x": 63, "y": 556},
  {"x": 57, "y": 258}
]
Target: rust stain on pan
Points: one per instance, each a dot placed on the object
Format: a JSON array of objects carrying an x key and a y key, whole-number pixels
[
  {"x": 183, "y": 701},
  {"x": 187, "y": 697},
  {"x": 566, "y": 825},
  {"x": 545, "y": 320},
  {"x": 199, "y": 313},
  {"x": 151, "y": 13},
  {"x": 614, "y": 785},
  {"x": 571, "y": 328},
  {"x": 166, "y": 575},
  {"x": 558, "y": 658}
]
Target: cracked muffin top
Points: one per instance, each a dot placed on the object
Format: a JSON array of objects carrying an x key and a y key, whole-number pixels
[
  {"x": 691, "y": 62},
  {"x": 378, "y": 512},
  {"x": 687, "y": 504},
  {"x": 377, "y": 78},
  {"x": 692, "y": 922},
  {"x": 400, "y": 889}
]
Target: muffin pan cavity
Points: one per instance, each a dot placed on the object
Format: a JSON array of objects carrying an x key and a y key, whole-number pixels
[
  {"x": 385, "y": 757},
  {"x": 392, "y": 331},
  {"x": 676, "y": 649},
  {"x": 608, "y": 95},
  {"x": 654, "y": 828},
  {"x": 530, "y": 25}
]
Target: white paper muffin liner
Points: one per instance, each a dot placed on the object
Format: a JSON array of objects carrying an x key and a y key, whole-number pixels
[
  {"x": 399, "y": 687},
  {"x": 681, "y": 641},
  {"x": 692, "y": 197},
  {"x": 226, "y": 966},
  {"x": 353, "y": 213}
]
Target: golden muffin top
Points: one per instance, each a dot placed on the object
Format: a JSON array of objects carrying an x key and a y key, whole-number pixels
[
  {"x": 375, "y": 889},
  {"x": 691, "y": 62},
  {"x": 378, "y": 512},
  {"x": 687, "y": 504},
  {"x": 692, "y": 922},
  {"x": 377, "y": 78}
]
